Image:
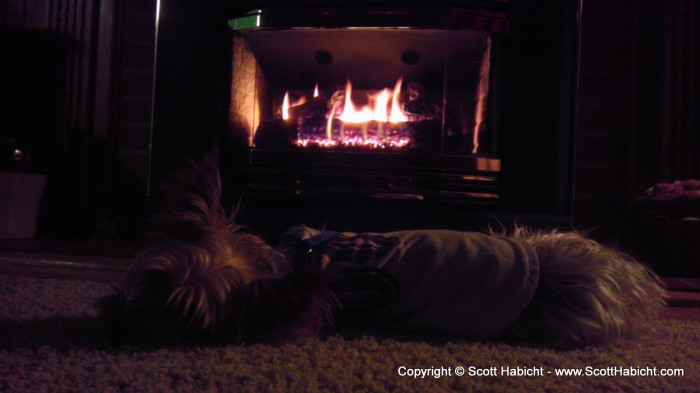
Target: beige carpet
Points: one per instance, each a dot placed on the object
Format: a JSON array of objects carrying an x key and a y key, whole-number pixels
[{"x": 50, "y": 341}]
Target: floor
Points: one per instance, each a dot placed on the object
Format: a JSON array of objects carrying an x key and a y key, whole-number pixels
[
  {"x": 94, "y": 260},
  {"x": 106, "y": 261}
]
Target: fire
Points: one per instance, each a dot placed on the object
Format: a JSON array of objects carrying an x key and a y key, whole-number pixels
[
  {"x": 377, "y": 110},
  {"x": 286, "y": 105},
  {"x": 397, "y": 115},
  {"x": 379, "y": 124}
]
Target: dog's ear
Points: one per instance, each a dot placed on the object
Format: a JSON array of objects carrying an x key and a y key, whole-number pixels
[{"x": 298, "y": 305}]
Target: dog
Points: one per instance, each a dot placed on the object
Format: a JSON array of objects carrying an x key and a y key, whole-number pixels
[{"x": 208, "y": 279}]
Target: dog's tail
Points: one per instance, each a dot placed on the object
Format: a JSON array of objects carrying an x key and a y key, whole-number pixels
[
  {"x": 587, "y": 293},
  {"x": 190, "y": 206}
]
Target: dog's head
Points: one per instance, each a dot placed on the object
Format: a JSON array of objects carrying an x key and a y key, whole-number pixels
[
  {"x": 209, "y": 280},
  {"x": 219, "y": 291},
  {"x": 178, "y": 291}
]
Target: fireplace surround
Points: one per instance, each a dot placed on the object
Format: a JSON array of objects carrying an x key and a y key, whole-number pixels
[{"x": 463, "y": 109}]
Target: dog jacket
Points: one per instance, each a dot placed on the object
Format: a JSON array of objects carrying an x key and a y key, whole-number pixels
[{"x": 428, "y": 281}]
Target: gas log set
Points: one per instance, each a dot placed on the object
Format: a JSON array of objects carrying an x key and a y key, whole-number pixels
[{"x": 389, "y": 120}]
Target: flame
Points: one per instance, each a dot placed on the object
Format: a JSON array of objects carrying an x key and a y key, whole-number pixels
[
  {"x": 286, "y": 105},
  {"x": 350, "y": 113},
  {"x": 380, "y": 102},
  {"x": 397, "y": 115},
  {"x": 377, "y": 111},
  {"x": 316, "y": 91}
]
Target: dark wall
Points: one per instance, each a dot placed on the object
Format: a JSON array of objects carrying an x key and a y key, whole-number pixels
[
  {"x": 190, "y": 92},
  {"x": 63, "y": 102},
  {"x": 32, "y": 91},
  {"x": 538, "y": 108},
  {"x": 637, "y": 96}
]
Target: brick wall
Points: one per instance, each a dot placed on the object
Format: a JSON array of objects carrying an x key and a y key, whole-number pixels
[
  {"x": 134, "y": 83},
  {"x": 603, "y": 186},
  {"x": 637, "y": 103}
]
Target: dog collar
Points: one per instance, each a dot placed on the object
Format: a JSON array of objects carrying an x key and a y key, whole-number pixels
[{"x": 305, "y": 254}]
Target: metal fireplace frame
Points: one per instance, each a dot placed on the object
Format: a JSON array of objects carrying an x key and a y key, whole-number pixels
[{"x": 430, "y": 175}]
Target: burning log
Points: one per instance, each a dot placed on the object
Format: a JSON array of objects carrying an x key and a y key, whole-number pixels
[
  {"x": 417, "y": 103},
  {"x": 275, "y": 134}
]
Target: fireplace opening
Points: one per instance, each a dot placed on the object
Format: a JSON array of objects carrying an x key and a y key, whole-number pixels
[{"x": 389, "y": 104}]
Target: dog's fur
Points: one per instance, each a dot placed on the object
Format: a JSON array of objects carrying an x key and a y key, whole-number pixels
[
  {"x": 208, "y": 279},
  {"x": 587, "y": 293}
]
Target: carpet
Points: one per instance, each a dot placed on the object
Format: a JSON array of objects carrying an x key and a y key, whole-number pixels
[{"x": 51, "y": 341}]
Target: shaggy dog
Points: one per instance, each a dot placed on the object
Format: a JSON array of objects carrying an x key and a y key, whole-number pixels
[{"x": 207, "y": 279}]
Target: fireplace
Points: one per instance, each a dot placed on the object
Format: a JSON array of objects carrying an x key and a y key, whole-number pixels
[
  {"x": 366, "y": 112},
  {"x": 377, "y": 103}
]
